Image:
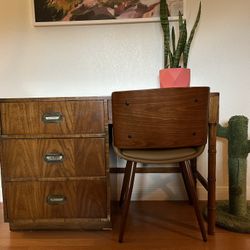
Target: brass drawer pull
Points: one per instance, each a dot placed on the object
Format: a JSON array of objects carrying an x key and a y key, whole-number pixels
[
  {"x": 52, "y": 117},
  {"x": 54, "y": 158},
  {"x": 56, "y": 199}
]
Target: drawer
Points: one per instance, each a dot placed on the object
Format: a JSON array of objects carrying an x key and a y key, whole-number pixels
[
  {"x": 52, "y": 117},
  {"x": 56, "y": 199},
  {"x": 77, "y": 157}
]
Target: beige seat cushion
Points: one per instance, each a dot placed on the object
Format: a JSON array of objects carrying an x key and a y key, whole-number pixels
[{"x": 159, "y": 155}]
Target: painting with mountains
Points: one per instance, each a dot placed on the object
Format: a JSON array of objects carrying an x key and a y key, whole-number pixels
[{"x": 87, "y": 10}]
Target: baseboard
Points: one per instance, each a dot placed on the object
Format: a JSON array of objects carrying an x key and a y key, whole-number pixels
[
  {"x": 179, "y": 193},
  {"x": 159, "y": 187},
  {"x": 221, "y": 193}
]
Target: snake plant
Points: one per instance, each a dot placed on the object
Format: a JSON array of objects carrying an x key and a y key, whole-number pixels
[{"x": 175, "y": 53}]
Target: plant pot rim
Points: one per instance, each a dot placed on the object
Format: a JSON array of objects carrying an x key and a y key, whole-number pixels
[{"x": 175, "y": 69}]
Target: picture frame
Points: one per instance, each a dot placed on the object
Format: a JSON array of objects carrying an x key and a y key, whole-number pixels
[{"x": 88, "y": 12}]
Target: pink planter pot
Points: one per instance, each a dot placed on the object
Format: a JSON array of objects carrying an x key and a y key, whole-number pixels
[{"x": 174, "y": 78}]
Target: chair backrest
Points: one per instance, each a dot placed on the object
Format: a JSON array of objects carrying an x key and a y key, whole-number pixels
[{"x": 160, "y": 118}]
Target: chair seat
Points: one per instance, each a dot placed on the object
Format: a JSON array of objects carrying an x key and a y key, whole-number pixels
[{"x": 160, "y": 155}]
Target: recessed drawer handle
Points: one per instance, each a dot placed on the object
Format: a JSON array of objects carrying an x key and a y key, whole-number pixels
[
  {"x": 56, "y": 199},
  {"x": 52, "y": 117},
  {"x": 54, "y": 157}
]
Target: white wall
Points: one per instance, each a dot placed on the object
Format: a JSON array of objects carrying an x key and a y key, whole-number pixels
[{"x": 96, "y": 60}]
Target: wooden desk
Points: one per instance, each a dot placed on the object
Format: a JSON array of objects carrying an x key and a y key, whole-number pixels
[{"x": 55, "y": 158}]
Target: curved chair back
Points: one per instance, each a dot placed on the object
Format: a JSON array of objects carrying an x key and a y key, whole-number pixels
[{"x": 160, "y": 118}]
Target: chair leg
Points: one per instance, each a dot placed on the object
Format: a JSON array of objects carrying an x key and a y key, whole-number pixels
[
  {"x": 127, "y": 201},
  {"x": 194, "y": 169},
  {"x": 193, "y": 164},
  {"x": 185, "y": 183},
  {"x": 191, "y": 186},
  {"x": 125, "y": 182}
]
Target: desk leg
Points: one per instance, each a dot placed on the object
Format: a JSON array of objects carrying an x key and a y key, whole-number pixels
[{"x": 211, "y": 205}]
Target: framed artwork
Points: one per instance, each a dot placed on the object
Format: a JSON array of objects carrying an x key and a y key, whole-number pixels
[{"x": 79, "y": 12}]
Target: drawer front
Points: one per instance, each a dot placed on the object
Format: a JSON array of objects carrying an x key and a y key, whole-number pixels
[
  {"x": 46, "y": 200},
  {"x": 59, "y": 117},
  {"x": 53, "y": 157}
]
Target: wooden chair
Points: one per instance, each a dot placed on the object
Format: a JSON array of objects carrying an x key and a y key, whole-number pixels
[{"x": 167, "y": 126}]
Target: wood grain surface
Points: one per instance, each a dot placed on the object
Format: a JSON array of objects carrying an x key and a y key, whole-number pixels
[
  {"x": 160, "y": 118},
  {"x": 153, "y": 225},
  {"x": 81, "y": 157},
  {"x": 83, "y": 199},
  {"x": 77, "y": 117},
  {"x": 54, "y": 153}
]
